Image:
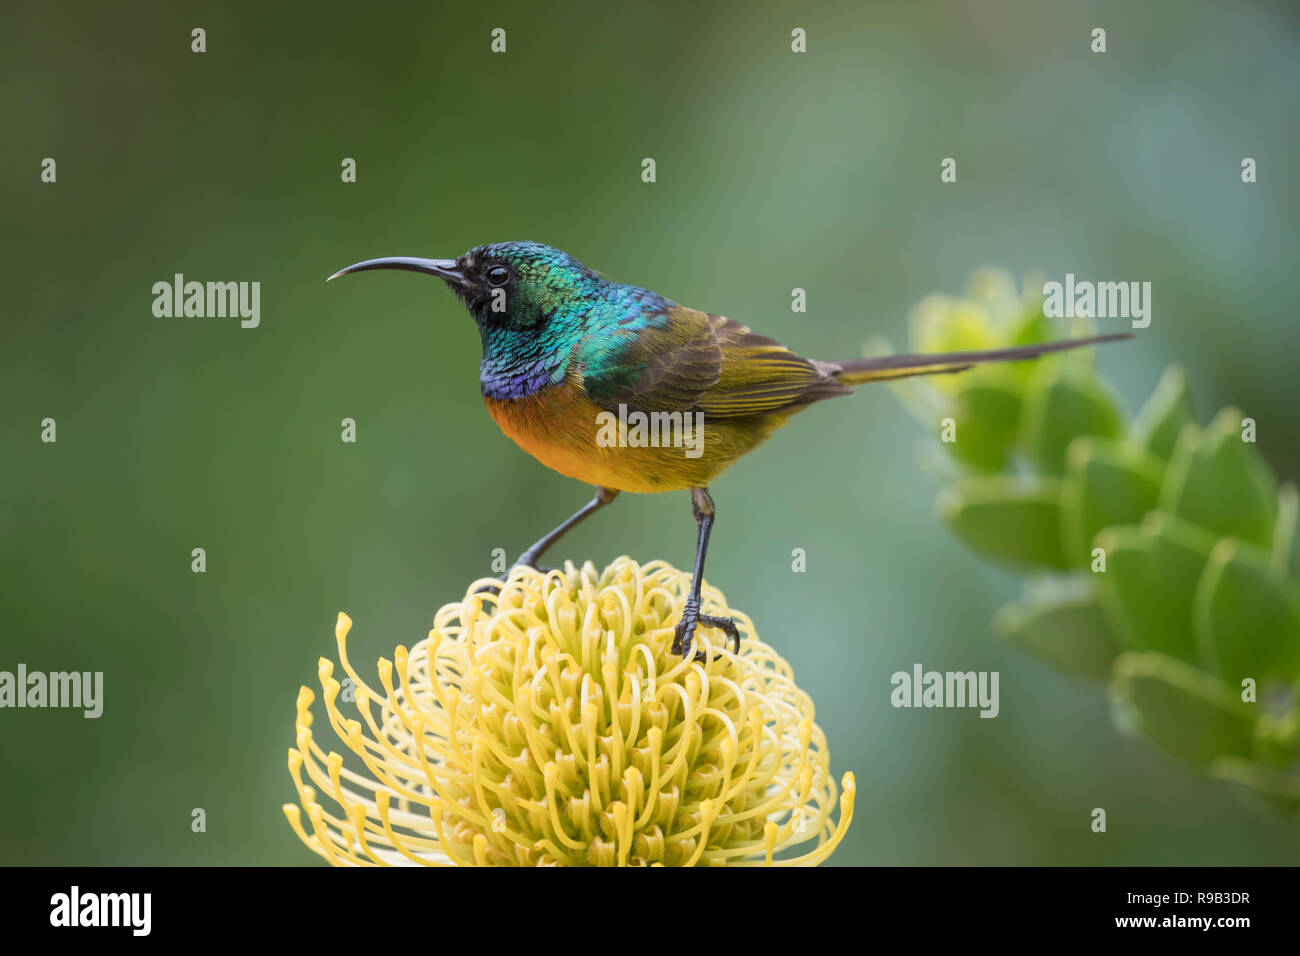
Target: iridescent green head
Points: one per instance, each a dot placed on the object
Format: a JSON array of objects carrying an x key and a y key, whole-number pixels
[
  {"x": 510, "y": 284},
  {"x": 523, "y": 284},
  {"x": 532, "y": 304}
]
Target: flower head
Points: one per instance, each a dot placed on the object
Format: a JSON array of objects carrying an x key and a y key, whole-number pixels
[{"x": 550, "y": 724}]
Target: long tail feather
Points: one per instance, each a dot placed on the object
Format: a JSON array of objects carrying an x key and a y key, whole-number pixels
[{"x": 887, "y": 367}]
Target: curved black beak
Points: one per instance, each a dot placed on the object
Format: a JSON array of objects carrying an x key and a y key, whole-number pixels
[{"x": 446, "y": 269}]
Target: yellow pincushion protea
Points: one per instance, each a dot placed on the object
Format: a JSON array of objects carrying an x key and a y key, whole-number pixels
[{"x": 549, "y": 724}]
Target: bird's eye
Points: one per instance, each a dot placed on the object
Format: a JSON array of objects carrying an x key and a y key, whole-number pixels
[{"x": 498, "y": 275}]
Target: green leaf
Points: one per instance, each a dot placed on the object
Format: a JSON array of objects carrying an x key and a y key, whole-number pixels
[
  {"x": 1030, "y": 326},
  {"x": 1006, "y": 520},
  {"x": 1151, "y": 575},
  {"x": 1061, "y": 405},
  {"x": 1066, "y": 628},
  {"x": 1277, "y": 738},
  {"x": 1026, "y": 328},
  {"x": 1218, "y": 481},
  {"x": 1185, "y": 713},
  {"x": 1247, "y": 616},
  {"x": 942, "y": 323},
  {"x": 1165, "y": 414},
  {"x": 1284, "y": 549},
  {"x": 986, "y": 415},
  {"x": 1106, "y": 483},
  {"x": 1279, "y": 791}
]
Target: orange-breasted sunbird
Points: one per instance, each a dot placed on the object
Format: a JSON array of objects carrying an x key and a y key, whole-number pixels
[{"x": 621, "y": 388}]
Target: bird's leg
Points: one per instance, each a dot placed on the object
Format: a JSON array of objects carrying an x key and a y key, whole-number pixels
[
  {"x": 530, "y": 557},
  {"x": 702, "y": 508}
]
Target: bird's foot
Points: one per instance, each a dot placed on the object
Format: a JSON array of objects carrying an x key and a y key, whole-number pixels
[
  {"x": 523, "y": 562},
  {"x": 684, "y": 636}
]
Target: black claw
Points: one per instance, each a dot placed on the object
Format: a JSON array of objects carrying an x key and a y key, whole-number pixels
[
  {"x": 724, "y": 624},
  {"x": 684, "y": 635}
]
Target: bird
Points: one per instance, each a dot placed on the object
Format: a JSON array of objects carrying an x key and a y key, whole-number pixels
[{"x": 573, "y": 363}]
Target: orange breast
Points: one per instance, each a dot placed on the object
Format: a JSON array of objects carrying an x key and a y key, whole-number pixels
[{"x": 564, "y": 429}]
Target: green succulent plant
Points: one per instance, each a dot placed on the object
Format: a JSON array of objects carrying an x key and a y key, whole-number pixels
[{"x": 1160, "y": 555}]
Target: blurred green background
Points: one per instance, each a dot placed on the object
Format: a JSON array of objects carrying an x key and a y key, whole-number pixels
[{"x": 775, "y": 170}]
